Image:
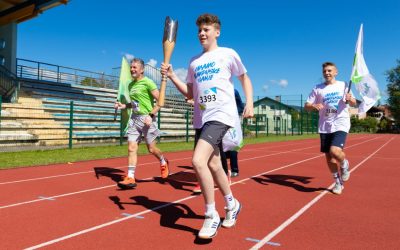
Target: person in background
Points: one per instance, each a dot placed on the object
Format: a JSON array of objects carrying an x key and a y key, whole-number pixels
[
  {"x": 233, "y": 155},
  {"x": 330, "y": 99},
  {"x": 142, "y": 92}
]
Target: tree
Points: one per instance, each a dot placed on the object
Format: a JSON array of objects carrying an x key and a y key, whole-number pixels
[{"x": 393, "y": 89}]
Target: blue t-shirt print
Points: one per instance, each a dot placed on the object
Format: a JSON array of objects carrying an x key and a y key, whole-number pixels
[
  {"x": 205, "y": 72},
  {"x": 331, "y": 101}
]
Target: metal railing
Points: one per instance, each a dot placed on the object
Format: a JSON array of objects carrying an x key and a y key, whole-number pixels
[
  {"x": 55, "y": 73},
  {"x": 9, "y": 85}
]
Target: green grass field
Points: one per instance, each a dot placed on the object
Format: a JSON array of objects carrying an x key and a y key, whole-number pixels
[{"x": 45, "y": 157}]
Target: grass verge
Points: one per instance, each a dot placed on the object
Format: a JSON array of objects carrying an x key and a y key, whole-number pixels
[{"x": 45, "y": 157}]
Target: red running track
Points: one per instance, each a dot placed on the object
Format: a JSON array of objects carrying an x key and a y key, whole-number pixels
[{"x": 284, "y": 189}]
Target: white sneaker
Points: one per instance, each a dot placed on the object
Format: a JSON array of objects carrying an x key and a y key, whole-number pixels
[
  {"x": 210, "y": 226},
  {"x": 231, "y": 215},
  {"x": 338, "y": 188},
  {"x": 344, "y": 170}
]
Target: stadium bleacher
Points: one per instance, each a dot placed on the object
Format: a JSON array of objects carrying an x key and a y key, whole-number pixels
[{"x": 41, "y": 115}]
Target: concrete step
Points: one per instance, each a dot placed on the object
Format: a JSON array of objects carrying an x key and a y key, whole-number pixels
[
  {"x": 55, "y": 142},
  {"x": 48, "y": 131},
  {"x": 16, "y": 137}
]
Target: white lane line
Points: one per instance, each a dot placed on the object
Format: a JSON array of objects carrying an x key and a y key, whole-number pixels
[
  {"x": 109, "y": 186},
  {"x": 91, "y": 171},
  {"x": 56, "y": 196},
  {"x": 154, "y": 209},
  {"x": 307, "y": 206},
  {"x": 107, "y": 224},
  {"x": 146, "y": 211},
  {"x": 84, "y": 172},
  {"x": 46, "y": 198}
]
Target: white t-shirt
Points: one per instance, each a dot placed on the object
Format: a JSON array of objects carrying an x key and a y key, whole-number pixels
[
  {"x": 213, "y": 92},
  {"x": 334, "y": 116}
]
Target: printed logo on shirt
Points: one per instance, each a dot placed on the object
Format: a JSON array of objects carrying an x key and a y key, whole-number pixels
[
  {"x": 332, "y": 101},
  {"x": 205, "y": 72}
]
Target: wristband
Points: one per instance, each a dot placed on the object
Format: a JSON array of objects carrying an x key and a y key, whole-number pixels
[{"x": 151, "y": 115}]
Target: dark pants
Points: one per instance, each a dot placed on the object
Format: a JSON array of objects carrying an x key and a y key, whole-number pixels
[{"x": 233, "y": 156}]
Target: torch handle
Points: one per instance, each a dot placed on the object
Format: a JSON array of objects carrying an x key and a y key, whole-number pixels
[
  {"x": 168, "y": 49},
  {"x": 163, "y": 86}
]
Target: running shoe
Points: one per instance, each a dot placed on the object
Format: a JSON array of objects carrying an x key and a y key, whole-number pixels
[
  {"x": 210, "y": 226},
  {"x": 128, "y": 182},
  {"x": 164, "y": 169},
  {"x": 344, "y": 170},
  {"x": 197, "y": 189},
  {"x": 338, "y": 188},
  {"x": 231, "y": 215},
  {"x": 234, "y": 174}
]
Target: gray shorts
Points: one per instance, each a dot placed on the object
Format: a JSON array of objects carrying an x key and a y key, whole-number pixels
[
  {"x": 212, "y": 132},
  {"x": 137, "y": 129}
]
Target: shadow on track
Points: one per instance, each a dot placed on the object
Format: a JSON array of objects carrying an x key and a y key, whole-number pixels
[{"x": 292, "y": 181}]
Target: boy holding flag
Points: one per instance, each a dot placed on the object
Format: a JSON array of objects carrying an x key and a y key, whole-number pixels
[{"x": 330, "y": 99}]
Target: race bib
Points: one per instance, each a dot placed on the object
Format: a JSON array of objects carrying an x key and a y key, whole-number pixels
[
  {"x": 330, "y": 112},
  {"x": 208, "y": 98}
]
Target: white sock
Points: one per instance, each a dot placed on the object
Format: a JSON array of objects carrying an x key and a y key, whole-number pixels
[
  {"x": 342, "y": 166},
  {"x": 229, "y": 201},
  {"x": 162, "y": 160},
  {"x": 337, "y": 178},
  {"x": 210, "y": 209},
  {"x": 131, "y": 171}
]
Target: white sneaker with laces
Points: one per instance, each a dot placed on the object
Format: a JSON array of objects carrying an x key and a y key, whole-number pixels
[
  {"x": 344, "y": 170},
  {"x": 337, "y": 189},
  {"x": 210, "y": 226},
  {"x": 231, "y": 215}
]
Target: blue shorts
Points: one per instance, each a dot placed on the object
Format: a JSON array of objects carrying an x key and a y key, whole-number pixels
[{"x": 337, "y": 139}]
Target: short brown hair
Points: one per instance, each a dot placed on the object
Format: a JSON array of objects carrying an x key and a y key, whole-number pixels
[
  {"x": 326, "y": 64},
  {"x": 209, "y": 19}
]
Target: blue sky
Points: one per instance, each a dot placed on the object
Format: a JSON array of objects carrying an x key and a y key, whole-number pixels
[{"x": 282, "y": 43}]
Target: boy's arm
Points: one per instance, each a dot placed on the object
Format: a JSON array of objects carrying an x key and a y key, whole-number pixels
[
  {"x": 185, "y": 89},
  {"x": 248, "y": 91},
  {"x": 310, "y": 104},
  {"x": 313, "y": 106}
]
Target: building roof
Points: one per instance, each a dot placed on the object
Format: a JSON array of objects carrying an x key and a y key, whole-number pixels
[
  {"x": 22, "y": 10},
  {"x": 280, "y": 104}
]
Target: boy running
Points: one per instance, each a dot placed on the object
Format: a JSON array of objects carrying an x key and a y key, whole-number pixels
[
  {"x": 209, "y": 83},
  {"x": 330, "y": 98}
]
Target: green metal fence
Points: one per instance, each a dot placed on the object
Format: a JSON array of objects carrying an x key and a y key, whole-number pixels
[
  {"x": 62, "y": 119},
  {"x": 84, "y": 124}
]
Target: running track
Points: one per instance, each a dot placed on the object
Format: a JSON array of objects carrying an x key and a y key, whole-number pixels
[{"x": 284, "y": 189}]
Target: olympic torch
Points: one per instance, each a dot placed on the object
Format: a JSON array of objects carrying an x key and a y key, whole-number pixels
[{"x": 169, "y": 38}]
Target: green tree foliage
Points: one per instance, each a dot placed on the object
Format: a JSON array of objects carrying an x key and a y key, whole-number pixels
[
  {"x": 383, "y": 125},
  {"x": 369, "y": 124},
  {"x": 89, "y": 81},
  {"x": 393, "y": 89}
]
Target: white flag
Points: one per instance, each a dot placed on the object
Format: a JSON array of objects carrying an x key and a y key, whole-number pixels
[{"x": 364, "y": 82}]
